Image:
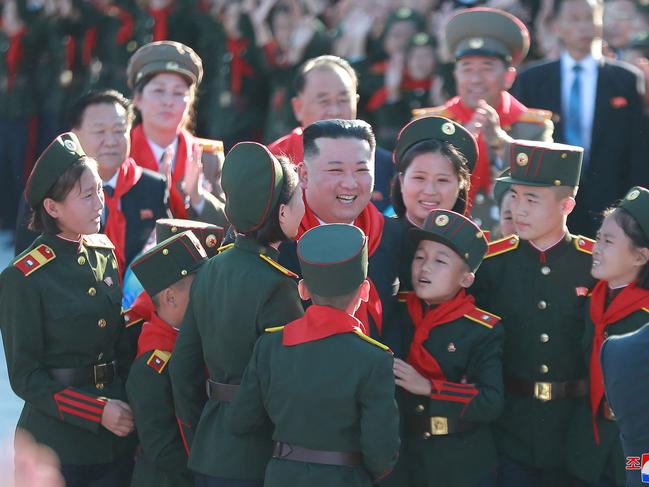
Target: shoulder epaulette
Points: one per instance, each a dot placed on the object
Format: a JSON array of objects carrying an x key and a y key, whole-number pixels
[
  {"x": 274, "y": 329},
  {"x": 440, "y": 111},
  {"x": 280, "y": 268},
  {"x": 535, "y": 115},
  {"x": 35, "y": 259},
  {"x": 223, "y": 248},
  {"x": 584, "y": 244},
  {"x": 483, "y": 317},
  {"x": 376, "y": 343},
  {"x": 98, "y": 240},
  {"x": 131, "y": 318},
  {"x": 402, "y": 296},
  {"x": 502, "y": 245},
  {"x": 487, "y": 235},
  {"x": 158, "y": 360}
]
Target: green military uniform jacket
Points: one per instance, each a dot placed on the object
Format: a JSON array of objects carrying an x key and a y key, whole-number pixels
[
  {"x": 584, "y": 458},
  {"x": 163, "y": 462},
  {"x": 60, "y": 307},
  {"x": 469, "y": 352},
  {"x": 332, "y": 394},
  {"x": 540, "y": 297},
  {"x": 234, "y": 297}
]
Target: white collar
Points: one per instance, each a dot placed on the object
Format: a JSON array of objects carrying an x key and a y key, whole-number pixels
[
  {"x": 588, "y": 64},
  {"x": 158, "y": 151}
]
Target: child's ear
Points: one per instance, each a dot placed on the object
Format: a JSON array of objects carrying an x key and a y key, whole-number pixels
[
  {"x": 642, "y": 256},
  {"x": 51, "y": 207},
  {"x": 467, "y": 280},
  {"x": 303, "y": 291}
]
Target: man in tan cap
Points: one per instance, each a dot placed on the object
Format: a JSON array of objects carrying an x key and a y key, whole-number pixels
[{"x": 487, "y": 45}]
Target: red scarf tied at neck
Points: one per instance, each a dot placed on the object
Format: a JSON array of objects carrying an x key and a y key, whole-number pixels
[
  {"x": 320, "y": 322},
  {"x": 629, "y": 300},
  {"x": 371, "y": 222},
  {"x": 156, "y": 335},
  {"x": 509, "y": 110},
  {"x": 129, "y": 173}
]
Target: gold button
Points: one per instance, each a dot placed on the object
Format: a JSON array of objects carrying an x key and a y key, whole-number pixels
[
  {"x": 92, "y": 291},
  {"x": 174, "y": 229},
  {"x": 101, "y": 323},
  {"x": 545, "y": 338},
  {"x": 426, "y": 435},
  {"x": 100, "y": 386},
  {"x": 545, "y": 270},
  {"x": 544, "y": 369},
  {"x": 419, "y": 408},
  {"x": 183, "y": 272},
  {"x": 165, "y": 251},
  {"x": 542, "y": 304},
  {"x": 81, "y": 260}
]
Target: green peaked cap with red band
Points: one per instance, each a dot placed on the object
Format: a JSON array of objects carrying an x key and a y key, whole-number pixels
[
  {"x": 333, "y": 259},
  {"x": 533, "y": 163},
  {"x": 210, "y": 236},
  {"x": 636, "y": 202},
  {"x": 455, "y": 231}
]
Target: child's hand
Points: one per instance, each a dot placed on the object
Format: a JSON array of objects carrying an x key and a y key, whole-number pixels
[{"x": 412, "y": 381}]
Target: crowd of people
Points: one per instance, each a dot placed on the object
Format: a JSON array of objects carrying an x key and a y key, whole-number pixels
[{"x": 265, "y": 267}]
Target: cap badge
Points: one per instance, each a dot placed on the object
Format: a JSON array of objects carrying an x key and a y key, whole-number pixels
[
  {"x": 210, "y": 241},
  {"x": 633, "y": 195},
  {"x": 479, "y": 235},
  {"x": 171, "y": 65},
  {"x": 448, "y": 128},
  {"x": 70, "y": 145},
  {"x": 441, "y": 220},
  {"x": 522, "y": 159},
  {"x": 476, "y": 43}
]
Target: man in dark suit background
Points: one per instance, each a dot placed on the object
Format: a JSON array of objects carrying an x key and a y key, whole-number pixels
[
  {"x": 102, "y": 121},
  {"x": 598, "y": 106}
]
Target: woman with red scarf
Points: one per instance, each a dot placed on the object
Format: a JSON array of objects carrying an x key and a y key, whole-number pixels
[
  {"x": 618, "y": 304},
  {"x": 434, "y": 157},
  {"x": 164, "y": 77},
  {"x": 452, "y": 379}
]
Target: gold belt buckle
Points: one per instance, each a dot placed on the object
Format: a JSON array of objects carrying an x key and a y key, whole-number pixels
[
  {"x": 543, "y": 391},
  {"x": 438, "y": 425}
]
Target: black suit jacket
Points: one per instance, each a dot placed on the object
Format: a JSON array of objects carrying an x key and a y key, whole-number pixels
[
  {"x": 619, "y": 155},
  {"x": 146, "y": 202}
]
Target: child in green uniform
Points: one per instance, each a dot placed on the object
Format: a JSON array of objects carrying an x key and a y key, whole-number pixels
[
  {"x": 166, "y": 272},
  {"x": 618, "y": 304},
  {"x": 62, "y": 328},
  {"x": 235, "y": 296},
  {"x": 326, "y": 386},
  {"x": 453, "y": 374},
  {"x": 538, "y": 282}
]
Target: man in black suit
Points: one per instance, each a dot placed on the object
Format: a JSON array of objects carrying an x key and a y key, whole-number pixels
[
  {"x": 134, "y": 197},
  {"x": 598, "y": 106}
]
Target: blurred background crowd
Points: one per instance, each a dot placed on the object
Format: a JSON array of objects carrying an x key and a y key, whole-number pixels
[{"x": 55, "y": 50}]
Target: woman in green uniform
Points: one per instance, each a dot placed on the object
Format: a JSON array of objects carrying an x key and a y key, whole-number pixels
[
  {"x": 62, "y": 328},
  {"x": 235, "y": 296}
]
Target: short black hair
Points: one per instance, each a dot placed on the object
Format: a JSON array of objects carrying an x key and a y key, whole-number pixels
[
  {"x": 41, "y": 220},
  {"x": 336, "y": 129},
  {"x": 270, "y": 230},
  {"x": 632, "y": 229},
  {"x": 322, "y": 62},
  {"x": 97, "y": 97},
  {"x": 339, "y": 302}
]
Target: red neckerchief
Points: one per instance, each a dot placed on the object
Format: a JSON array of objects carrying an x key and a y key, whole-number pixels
[
  {"x": 13, "y": 56},
  {"x": 380, "y": 96},
  {"x": 509, "y": 110},
  {"x": 445, "y": 312},
  {"x": 70, "y": 51},
  {"x": 320, "y": 322},
  {"x": 129, "y": 174},
  {"x": 156, "y": 335},
  {"x": 143, "y": 155},
  {"x": 89, "y": 44},
  {"x": 629, "y": 300},
  {"x": 291, "y": 146},
  {"x": 143, "y": 306},
  {"x": 239, "y": 67},
  {"x": 160, "y": 17},
  {"x": 371, "y": 222}
]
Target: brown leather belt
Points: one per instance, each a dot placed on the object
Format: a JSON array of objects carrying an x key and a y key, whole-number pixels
[
  {"x": 427, "y": 426},
  {"x": 82, "y": 376},
  {"x": 220, "y": 391},
  {"x": 607, "y": 412},
  {"x": 546, "y": 391},
  {"x": 287, "y": 451}
]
